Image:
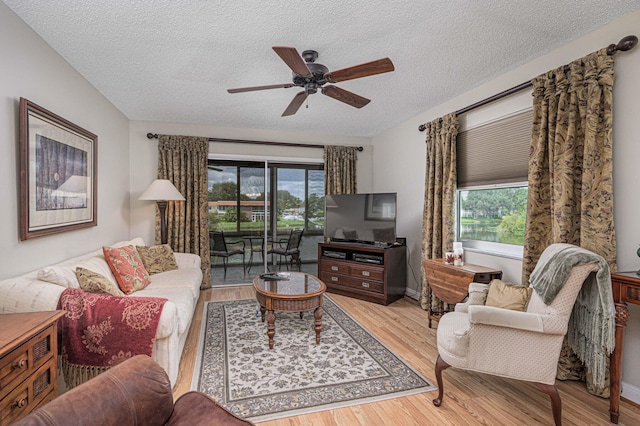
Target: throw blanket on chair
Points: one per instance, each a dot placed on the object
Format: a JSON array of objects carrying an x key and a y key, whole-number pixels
[
  {"x": 100, "y": 331},
  {"x": 591, "y": 332}
]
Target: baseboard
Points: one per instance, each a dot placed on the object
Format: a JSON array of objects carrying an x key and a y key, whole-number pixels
[
  {"x": 630, "y": 392},
  {"x": 412, "y": 293}
]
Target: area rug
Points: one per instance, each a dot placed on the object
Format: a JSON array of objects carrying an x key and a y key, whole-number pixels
[{"x": 350, "y": 366}]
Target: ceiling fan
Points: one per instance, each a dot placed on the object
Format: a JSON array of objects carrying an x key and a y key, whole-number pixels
[{"x": 312, "y": 76}]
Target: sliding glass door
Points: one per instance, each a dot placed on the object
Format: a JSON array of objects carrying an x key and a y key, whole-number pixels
[{"x": 243, "y": 198}]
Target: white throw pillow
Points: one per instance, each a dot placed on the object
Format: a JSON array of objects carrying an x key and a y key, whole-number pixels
[{"x": 59, "y": 275}]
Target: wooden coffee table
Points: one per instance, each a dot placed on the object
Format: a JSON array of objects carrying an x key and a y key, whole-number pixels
[{"x": 297, "y": 292}]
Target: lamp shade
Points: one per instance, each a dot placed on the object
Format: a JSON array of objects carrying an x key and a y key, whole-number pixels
[{"x": 161, "y": 189}]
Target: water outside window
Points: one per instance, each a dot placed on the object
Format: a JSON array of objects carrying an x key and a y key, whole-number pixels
[{"x": 494, "y": 214}]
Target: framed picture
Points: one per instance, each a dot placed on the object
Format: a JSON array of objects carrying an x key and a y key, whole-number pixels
[
  {"x": 380, "y": 207},
  {"x": 58, "y": 173}
]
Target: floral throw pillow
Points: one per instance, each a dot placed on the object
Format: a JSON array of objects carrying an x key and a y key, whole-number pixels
[
  {"x": 94, "y": 282},
  {"x": 157, "y": 259},
  {"x": 126, "y": 265}
]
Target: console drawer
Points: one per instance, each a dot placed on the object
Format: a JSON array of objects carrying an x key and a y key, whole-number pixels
[
  {"x": 344, "y": 281},
  {"x": 368, "y": 272},
  {"x": 335, "y": 267}
]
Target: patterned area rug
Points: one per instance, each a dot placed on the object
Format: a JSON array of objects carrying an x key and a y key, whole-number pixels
[{"x": 235, "y": 366}]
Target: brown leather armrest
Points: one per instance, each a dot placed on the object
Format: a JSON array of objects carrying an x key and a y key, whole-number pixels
[
  {"x": 135, "y": 392},
  {"x": 195, "y": 408}
]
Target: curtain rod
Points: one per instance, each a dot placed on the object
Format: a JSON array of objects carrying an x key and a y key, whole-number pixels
[
  {"x": 298, "y": 145},
  {"x": 627, "y": 43}
]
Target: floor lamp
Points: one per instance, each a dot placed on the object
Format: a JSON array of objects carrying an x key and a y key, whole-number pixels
[{"x": 161, "y": 191}]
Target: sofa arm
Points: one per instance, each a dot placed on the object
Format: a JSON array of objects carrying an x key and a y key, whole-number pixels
[
  {"x": 187, "y": 260},
  {"x": 136, "y": 391},
  {"x": 489, "y": 315},
  {"x": 195, "y": 408},
  {"x": 477, "y": 296}
]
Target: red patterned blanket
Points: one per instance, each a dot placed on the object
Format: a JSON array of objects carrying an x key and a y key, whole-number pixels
[{"x": 99, "y": 331}]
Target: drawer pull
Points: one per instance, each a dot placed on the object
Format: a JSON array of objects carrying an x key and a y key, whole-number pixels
[
  {"x": 20, "y": 364},
  {"x": 334, "y": 278},
  {"x": 365, "y": 273},
  {"x": 334, "y": 268},
  {"x": 20, "y": 404},
  {"x": 365, "y": 285}
]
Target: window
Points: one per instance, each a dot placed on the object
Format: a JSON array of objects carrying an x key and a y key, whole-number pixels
[
  {"x": 492, "y": 219},
  {"x": 492, "y": 163}
]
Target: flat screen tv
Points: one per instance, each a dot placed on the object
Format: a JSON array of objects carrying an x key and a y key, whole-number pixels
[{"x": 362, "y": 218}]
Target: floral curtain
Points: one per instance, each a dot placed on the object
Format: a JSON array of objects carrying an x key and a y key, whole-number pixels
[
  {"x": 438, "y": 230},
  {"x": 340, "y": 169},
  {"x": 571, "y": 169},
  {"x": 183, "y": 161}
]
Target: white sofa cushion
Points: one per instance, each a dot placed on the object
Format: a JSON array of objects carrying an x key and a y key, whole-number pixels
[
  {"x": 178, "y": 278},
  {"x": 182, "y": 299}
]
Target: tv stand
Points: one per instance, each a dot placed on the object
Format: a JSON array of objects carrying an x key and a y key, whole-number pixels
[{"x": 366, "y": 272}]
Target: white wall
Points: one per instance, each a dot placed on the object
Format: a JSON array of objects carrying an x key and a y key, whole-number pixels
[
  {"x": 399, "y": 164},
  {"x": 144, "y": 155},
  {"x": 31, "y": 69}
]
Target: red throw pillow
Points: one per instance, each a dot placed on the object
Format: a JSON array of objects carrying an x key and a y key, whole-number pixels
[{"x": 126, "y": 265}]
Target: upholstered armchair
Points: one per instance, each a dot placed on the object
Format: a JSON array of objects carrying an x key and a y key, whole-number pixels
[
  {"x": 521, "y": 345},
  {"x": 135, "y": 392}
]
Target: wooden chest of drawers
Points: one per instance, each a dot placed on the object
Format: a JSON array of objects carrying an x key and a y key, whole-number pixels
[
  {"x": 365, "y": 272},
  {"x": 451, "y": 283},
  {"x": 28, "y": 362}
]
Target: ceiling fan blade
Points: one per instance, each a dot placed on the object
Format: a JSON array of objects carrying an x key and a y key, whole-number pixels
[
  {"x": 363, "y": 70},
  {"x": 295, "y": 104},
  {"x": 254, "y": 88},
  {"x": 292, "y": 58},
  {"x": 345, "y": 96}
]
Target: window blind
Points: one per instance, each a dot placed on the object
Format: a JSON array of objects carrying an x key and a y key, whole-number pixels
[{"x": 496, "y": 152}]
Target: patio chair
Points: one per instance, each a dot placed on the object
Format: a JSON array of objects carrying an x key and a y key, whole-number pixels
[
  {"x": 218, "y": 248},
  {"x": 291, "y": 249}
]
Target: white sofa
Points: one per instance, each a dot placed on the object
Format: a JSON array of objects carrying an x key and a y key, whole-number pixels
[{"x": 27, "y": 293}]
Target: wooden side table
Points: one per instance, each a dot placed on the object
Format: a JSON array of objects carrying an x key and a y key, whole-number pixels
[
  {"x": 450, "y": 283},
  {"x": 626, "y": 289},
  {"x": 28, "y": 362}
]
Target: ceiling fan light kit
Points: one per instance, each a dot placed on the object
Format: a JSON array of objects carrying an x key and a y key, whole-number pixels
[{"x": 312, "y": 76}]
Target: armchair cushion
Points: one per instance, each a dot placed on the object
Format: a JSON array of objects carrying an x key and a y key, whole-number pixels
[{"x": 508, "y": 296}]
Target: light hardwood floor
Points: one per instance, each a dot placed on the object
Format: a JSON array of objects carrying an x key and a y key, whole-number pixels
[{"x": 469, "y": 399}]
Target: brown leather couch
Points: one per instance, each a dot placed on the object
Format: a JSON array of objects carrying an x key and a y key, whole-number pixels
[{"x": 135, "y": 392}]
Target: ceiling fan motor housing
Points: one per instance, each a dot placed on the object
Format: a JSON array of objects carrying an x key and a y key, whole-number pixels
[
  {"x": 317, "y": 72},
  {"x": 317, "y": 75}
]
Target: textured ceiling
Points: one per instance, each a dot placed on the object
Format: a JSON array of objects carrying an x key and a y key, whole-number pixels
[{"x": 172, "y": 60}]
